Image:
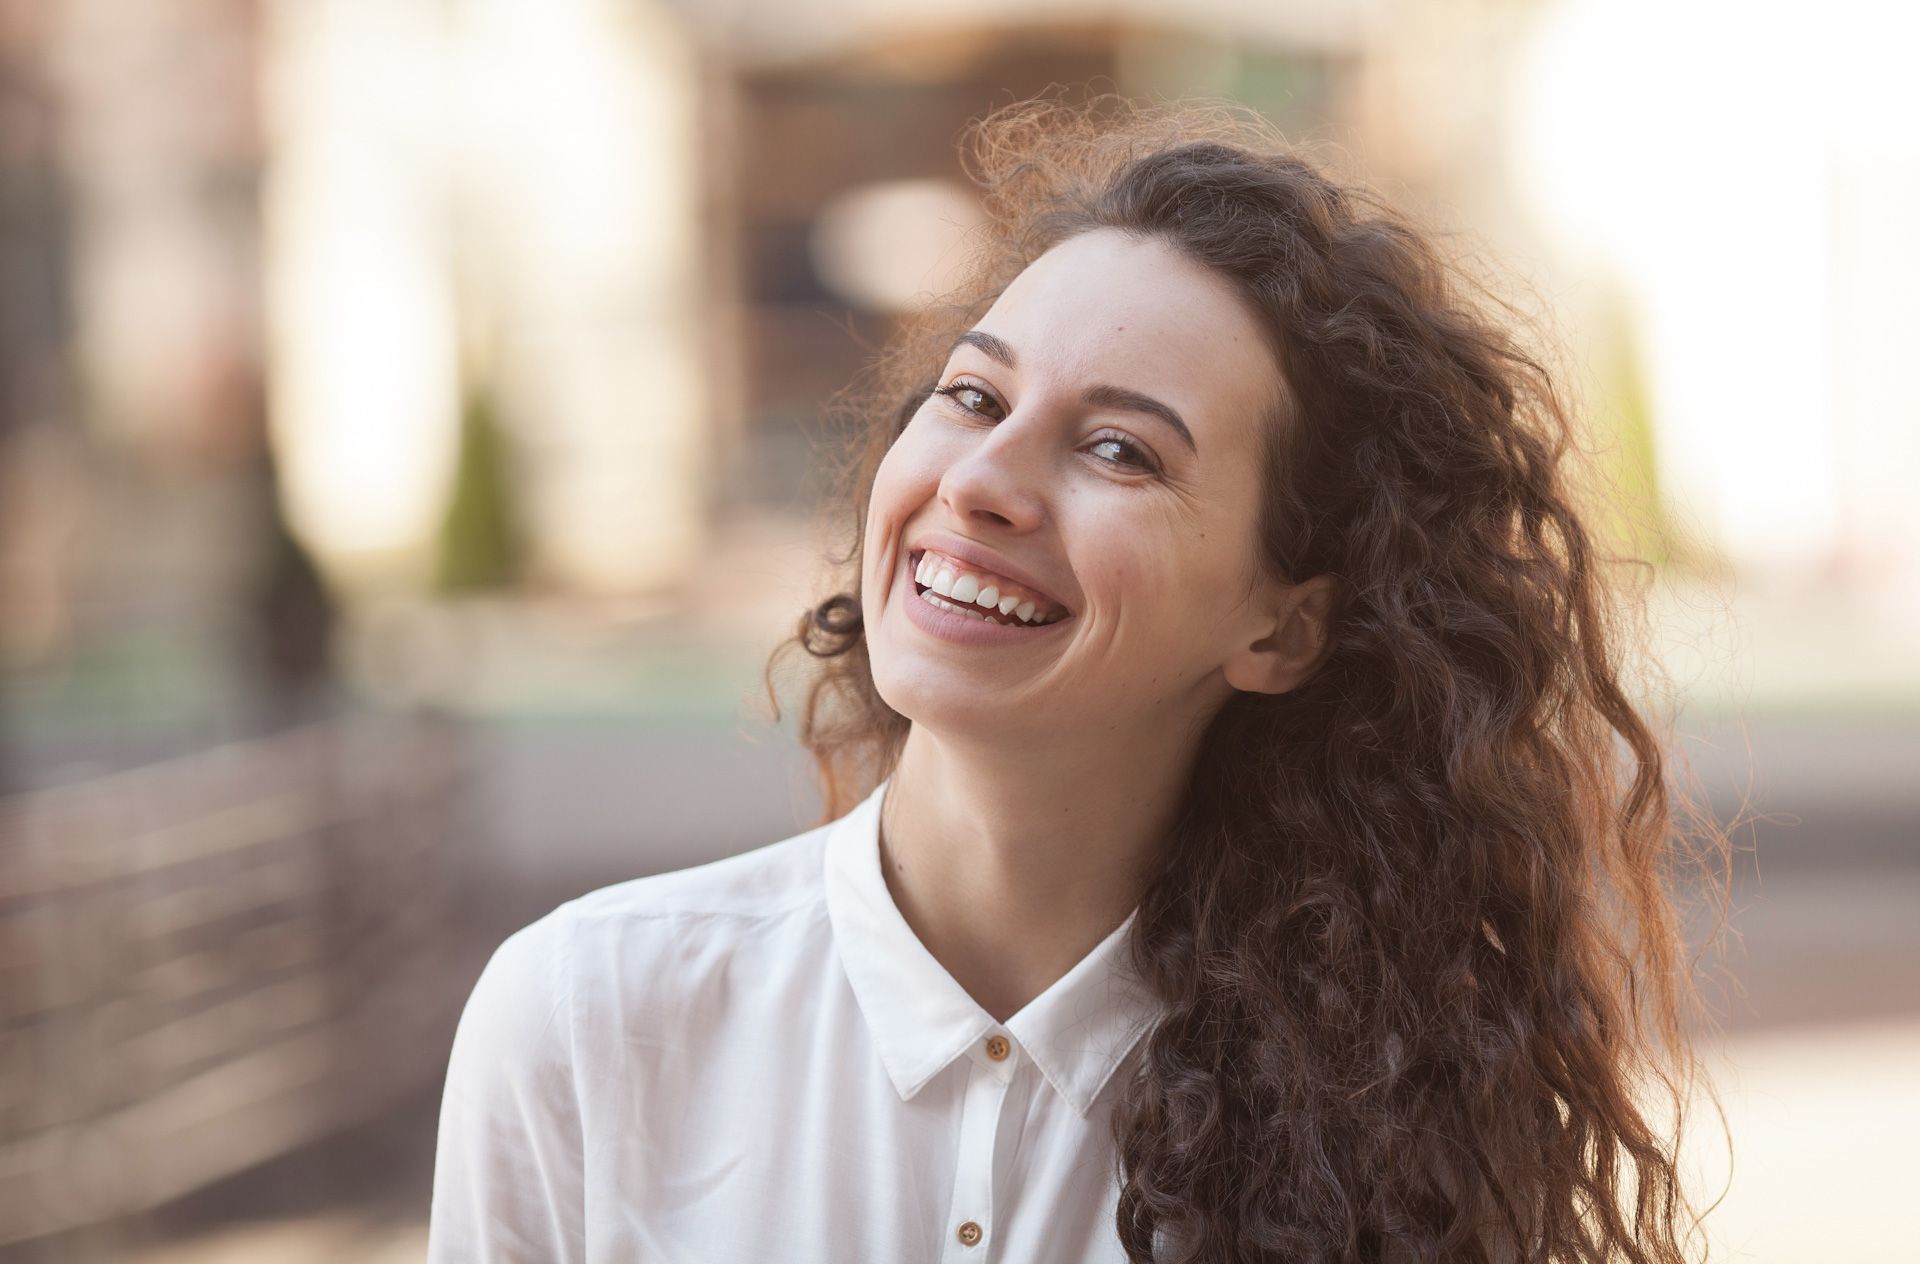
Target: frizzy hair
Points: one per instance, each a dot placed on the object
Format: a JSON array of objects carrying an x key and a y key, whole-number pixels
[{"x": 1419, "y": 929}]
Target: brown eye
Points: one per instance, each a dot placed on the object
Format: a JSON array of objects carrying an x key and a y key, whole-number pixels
[
  {"x": 1138, "y": 458},
  {"x": 959, "y": 390}
]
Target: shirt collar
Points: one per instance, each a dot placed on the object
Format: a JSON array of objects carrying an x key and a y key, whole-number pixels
[{"x": 1077, "y": 1031}]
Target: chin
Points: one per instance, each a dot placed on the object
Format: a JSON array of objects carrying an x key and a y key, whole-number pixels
[
  {"x": 911, "y": 693},
  {"x": 935, "y": 702}
]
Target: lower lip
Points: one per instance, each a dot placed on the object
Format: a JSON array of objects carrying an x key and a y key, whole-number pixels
[{"x": 962, "y": 629}]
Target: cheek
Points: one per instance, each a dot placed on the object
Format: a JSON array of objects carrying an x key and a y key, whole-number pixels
[
  {"x": 1165, "y": 591},
  {"x": 906, "y": 469},
  {"x": 1152, "y": 600},
  {"x": 898, "y": 488},
  {"x": 907, "y": 476},
  {"x": 1132, "y": 547}
]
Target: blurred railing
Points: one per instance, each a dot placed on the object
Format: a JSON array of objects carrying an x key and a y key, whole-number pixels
[{"x": 211, "y": 960}]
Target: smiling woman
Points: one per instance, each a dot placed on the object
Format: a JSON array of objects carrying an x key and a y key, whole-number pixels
[
  {"x": 1238, "y": 844},
  {"x": 1336, "y": 725}
]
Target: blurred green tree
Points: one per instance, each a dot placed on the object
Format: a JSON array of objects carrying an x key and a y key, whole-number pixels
[
  {"x": 1635, "y": 517},
  {"x": 479, "y": 544}
]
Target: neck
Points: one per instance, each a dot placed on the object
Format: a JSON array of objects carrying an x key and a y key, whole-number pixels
[{"x": 1011, "y": 867}]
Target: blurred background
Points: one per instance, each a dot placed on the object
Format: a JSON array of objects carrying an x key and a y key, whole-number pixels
[{"x": 405, "y": 418}]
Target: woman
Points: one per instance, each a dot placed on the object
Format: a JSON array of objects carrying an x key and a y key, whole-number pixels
[{"x": 1223, "y": 856}]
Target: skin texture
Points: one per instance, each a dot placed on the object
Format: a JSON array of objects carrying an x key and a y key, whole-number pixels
[{"x": 1038, "y": 783}]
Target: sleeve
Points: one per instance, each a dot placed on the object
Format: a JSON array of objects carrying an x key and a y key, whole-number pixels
[{"x": 508, "y": 1175}]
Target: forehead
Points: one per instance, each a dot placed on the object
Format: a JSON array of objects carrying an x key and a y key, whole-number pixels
[{"x": 1106, "y": 308}]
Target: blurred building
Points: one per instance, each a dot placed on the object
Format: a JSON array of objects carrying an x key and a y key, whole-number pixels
[
  {"x": 505, "y": 200},
  {"x": 599, "y": 214},
  {"x": 626, "y": 249}
]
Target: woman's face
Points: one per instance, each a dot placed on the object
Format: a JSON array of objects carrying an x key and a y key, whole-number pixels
[{"x": 1058, "y": 457}]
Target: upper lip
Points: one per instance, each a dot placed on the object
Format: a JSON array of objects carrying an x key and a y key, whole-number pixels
[{"x": 984, "y": 558}]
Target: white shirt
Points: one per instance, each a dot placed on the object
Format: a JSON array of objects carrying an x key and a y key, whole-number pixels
[{"x": 756, "y": 1059}]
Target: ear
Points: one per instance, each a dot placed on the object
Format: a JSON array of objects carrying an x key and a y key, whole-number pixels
[{"x": 1296, "y": 640}]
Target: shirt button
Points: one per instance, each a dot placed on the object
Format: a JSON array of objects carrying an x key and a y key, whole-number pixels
[
  {"x": 969, "y": 1234},
  {"x": 997, "y": 1048}
]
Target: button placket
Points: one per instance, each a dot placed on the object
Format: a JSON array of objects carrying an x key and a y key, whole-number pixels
[{"x": 970, "y": 1218}]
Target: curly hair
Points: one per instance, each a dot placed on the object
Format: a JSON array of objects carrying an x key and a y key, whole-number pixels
[{"x": 1420, "y": 929}]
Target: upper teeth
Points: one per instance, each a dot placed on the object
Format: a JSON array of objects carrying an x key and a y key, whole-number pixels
[{"x": 981, "y": 588}]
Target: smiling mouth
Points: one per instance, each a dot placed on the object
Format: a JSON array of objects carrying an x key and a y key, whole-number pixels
[{"x": 948, "y": 601}]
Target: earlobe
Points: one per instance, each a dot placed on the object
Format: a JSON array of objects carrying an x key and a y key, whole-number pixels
[{"x": 1295, "y": 646}]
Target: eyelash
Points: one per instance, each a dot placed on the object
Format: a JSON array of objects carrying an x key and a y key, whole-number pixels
[{"x": 1146, "y": 464}]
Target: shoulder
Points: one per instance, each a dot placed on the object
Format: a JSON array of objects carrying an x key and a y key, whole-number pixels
[
  {"x": 766, "y": 883},
  {"x": 549, "y": 974},
  {"x": 646, "y": 937},
  {"x": 771, "y": 883}
]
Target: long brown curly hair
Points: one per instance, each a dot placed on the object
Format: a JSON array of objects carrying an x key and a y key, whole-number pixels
[{"x": 1420, "y": 931}]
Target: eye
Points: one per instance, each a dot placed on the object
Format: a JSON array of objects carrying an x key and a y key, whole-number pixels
[
  {"x": 1138, "y": 461},
  {"x": 976, "y": 398},
  {"x": 958, "y": 389}
]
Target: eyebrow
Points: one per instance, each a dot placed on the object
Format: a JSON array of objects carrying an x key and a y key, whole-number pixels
[{"x": 1101, "y": 396}]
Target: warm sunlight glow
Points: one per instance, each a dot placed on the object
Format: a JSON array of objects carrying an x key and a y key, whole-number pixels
[
  {"x": 1709, "y": 158},
  {"x": 362, "y": 326},
  {"x": 501, "y": 195}
]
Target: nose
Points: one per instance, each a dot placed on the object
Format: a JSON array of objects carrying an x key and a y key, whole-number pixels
[{"x": 1000, "y": 481}]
